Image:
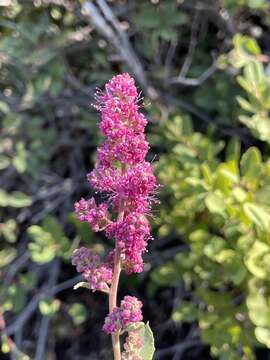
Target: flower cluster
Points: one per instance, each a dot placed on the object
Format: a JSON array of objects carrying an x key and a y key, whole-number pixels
[
  {"x": 120, "y": 318},
  {"x": 97, "y": 274},
  {"x": 131, "y": 234},
  {"x": 122, "y": 173},
  {"x": 132, "y": 346},
  {"x": 96, "y": 216}
]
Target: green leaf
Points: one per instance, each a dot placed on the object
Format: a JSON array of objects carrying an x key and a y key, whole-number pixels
[
  {"x": 165, "y": 275},
  {"x": 49, "y": 307},
  {"x": 263, "y": 336},
  {"x": 7, "y": 255},
  {"x": 254, "y": 73},
  {"x": 20, "y": 159},
  {"x": 214, "y": 246},
  {"x": 258, "y": 308},
  {"x": 245, "y": 105},
  {"x": 233, "y": 150},
  {"x": 48, "y": 241},
  {"x": 19, "y": 199},
  {"x": 43, "y": 248},
  {"x": 4, "y": 198},
  {"x": 148, "y": 349},
  {"x": 230, "y": 171},
  {"x": 14, "y": 199},
  {"x": 254, "y": 260},
  {"x": 78, "y": 313},
  {"x": 215, "y": 204},
  {"x": 251, "y": 164},
  {"x": 186, "y": 312},
  {"x": 246, "y": 44},
  {"x": 257, "y": 215},
  {"x": 8, "y": 230}
]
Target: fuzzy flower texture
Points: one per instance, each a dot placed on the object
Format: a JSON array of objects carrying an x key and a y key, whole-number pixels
[{"x": 127, "y": 182}]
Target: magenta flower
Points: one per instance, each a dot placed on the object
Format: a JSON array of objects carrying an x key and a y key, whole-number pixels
[
  {"x": 88, "y": 211},
  {"x": 130, "y": 311},
  {"x": 126, "y": 179},
  {"x": 98, "y": 275},
  {"x": 120, "y": 318}
]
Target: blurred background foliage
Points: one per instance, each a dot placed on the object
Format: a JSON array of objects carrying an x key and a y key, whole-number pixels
[{"x": 203, "y": 67}]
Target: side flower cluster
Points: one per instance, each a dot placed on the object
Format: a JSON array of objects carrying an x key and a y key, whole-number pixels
[
  {"x": 96, "y": 273},
  {"x": 120, "y": 318},
  {"x": 132, "y": 346}
]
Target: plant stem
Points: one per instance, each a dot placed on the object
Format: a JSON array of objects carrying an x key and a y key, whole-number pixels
[
  {"x": 113, "y": 301},
  {"x": 115, "y": 282}
]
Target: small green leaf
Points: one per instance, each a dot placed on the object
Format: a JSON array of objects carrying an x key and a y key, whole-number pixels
[
  {"x": 20, "y": 159},
  {"x": 14, "y": 199},
  {"x": 78, "y": 313},
  {"x": 186, "y": 312},
  {"x": 7, "y": 255},
  {"x": 251, "y": 163},
  {"x": 245, "y": 105},
  {"x": 254, "y": 72},
  {"x": 8, "y": 230},
  {"x": 43, "y": 248},
  {"x": 233, "y": 150},
  {"x": 215, "y": 203},
  {"x": 258, "y": 309},
  {"x": 257, "y": 215},
  {"x": 49, "y": 307},
  {"x": 254, "y": 260}
]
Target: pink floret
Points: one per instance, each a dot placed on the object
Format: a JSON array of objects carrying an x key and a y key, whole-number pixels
[
  {"x": 88, "y": 211},
  {"x": 96, "y": 273},
  {"x": 130, "y": 310},
  {"x": 120, "y": 318}
]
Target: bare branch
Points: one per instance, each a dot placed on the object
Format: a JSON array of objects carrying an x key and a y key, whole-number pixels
[
  {"x": 195, "y": 81},
  {"x": 192, "y": 45}
]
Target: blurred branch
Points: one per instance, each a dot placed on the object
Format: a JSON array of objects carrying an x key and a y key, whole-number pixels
[
  {"x": 15, "y": 267},
  {"x": 192, "y": 45},
  {"x": 32, "y": 305},
  {"x": 179, "y": 348},
  {"x": 195, "y": 81},
  {"x": 118, "y": 38},
  {"x": 45, "y": 321}
]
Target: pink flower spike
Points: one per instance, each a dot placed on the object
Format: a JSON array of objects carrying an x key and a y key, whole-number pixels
[{"x": 127, "y": 182}]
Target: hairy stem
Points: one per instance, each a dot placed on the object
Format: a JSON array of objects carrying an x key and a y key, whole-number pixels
[
  {"x": 115, "y": 282},
  {"x": 113, "y": 294},
  {"x": 113, "y": 301}
]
